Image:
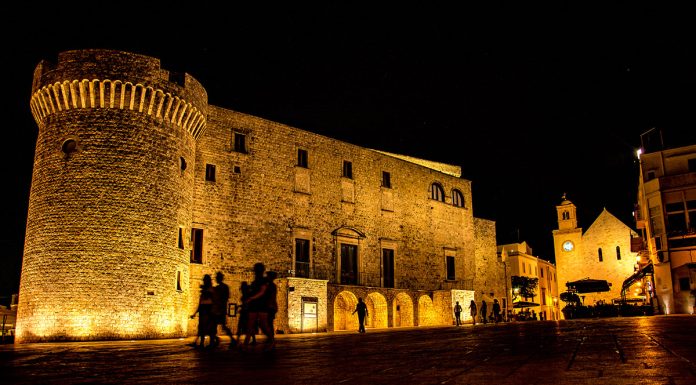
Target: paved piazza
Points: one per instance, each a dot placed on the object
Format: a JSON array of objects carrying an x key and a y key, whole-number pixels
[{"x": 642, "y": 350}]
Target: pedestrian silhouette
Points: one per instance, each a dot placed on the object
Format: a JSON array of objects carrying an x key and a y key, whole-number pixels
[
  {"x": 272, "y": 299},
  {"x": 496, "y": 311},
  {"x": 220, "y": 303},
  {"x": 472, "y": 309},
  {"x": 206, "y": 325},
  {"x": 258, "y": 308},
  {"x": 361, "y": 309},
  {"x": 243, "y": 321},
  {"x": 483, "y": 311},
  {"x": 458, "y": 313}
]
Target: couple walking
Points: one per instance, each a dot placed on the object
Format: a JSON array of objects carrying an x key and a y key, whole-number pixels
[{"x": 212, "y": 311}]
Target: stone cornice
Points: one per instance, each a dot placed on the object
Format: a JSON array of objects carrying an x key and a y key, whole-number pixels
[{"x": 117, "y": 94}]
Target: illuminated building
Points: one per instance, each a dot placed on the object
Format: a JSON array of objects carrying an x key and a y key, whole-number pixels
[
  {"x": 141, "y": 187},
  {"x": 666, "y": 215},
  {"x": 603, "y": 252}
]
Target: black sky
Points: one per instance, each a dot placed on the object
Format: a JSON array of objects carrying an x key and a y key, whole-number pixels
[{"x": 530, "y": 102}]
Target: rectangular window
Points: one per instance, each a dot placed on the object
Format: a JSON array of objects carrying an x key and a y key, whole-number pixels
[
  {"x": 178, "y": 280},
  {"x": 302, "y": 258},
  {"x": 240, "y": 142},
  {"x": 302, "y": 158},
  {"x": 386, "y": 179},
  {"x": 210, "y": 172},
  {"x": 197, "y": 242},
  {"x": 347, "y": 169},
  {"x": 181, "y": 238},
  {"x": 542, "y": 272},
  {"x": 684, "y": 284},
  {"x": 543, "y": 296},
  {"x": 388, "y": 267},
  {"x": 349, "y": 264},
  {"x": 523, "y": 268},
  {"x": 450, "y": 268},
  {"x": 692, "y": 165}
]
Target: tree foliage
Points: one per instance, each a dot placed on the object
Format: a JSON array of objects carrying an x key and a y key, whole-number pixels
[{"x": 526, "y": 287}]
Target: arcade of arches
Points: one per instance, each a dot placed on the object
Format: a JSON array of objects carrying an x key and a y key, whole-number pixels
[{"x": 401, "y": 310}]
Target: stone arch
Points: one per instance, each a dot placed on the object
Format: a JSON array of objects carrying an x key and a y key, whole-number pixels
[
  {"x": 426, "y": 311},
  {"x": 344, "y": 304},
  {"x": 377, "y": 311},
  {"x": 402, "y": 307}
]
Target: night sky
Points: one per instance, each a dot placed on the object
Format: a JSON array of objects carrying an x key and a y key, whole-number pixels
[{"x": 531, "y": 103}]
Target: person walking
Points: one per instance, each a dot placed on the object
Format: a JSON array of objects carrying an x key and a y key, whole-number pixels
[
  {"x": 258, "y": 308},
  {"x": 458, "y": 313},
  {"x": 220, "y": 302},
  {"x": 496, "y": 310},
  {"x": 472, "y": 310},
  {"x": 272, "y": 299},
  {"x": 361, "y": 309},
  {"x": 484, "y": 308},
  {"x": 243, "y": 321},
  {"x": 206, "y": 325}
]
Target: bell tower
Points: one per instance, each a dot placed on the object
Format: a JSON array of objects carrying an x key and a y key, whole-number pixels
[{"x": 567, "y": 218}]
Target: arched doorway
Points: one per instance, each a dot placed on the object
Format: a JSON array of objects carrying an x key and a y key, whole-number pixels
[
  {"x": 403, "y": 310},
  {"x": 344, "y": 304},
  {"x": 377, "y": 311},
  {"x": 426, "y": 311}
]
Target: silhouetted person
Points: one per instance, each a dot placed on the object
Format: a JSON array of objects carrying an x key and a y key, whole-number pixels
[
  {"x": 258, "y": 307},
  {"x": 458, "y": 313},
  {"x": 473, "y": 311},
  {"x": 484, "y": 308},
  {"x": 243, "y": 321},
  {"x": 206, "y": 325},
  {"x": 496, "y": 311},
  {"x": 220, "y": 303},
  {"x": 272, "y": 299},
  {"x": 361, "y": 309}
]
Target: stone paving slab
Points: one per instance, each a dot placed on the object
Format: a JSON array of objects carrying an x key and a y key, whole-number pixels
[{"x": 642, "y": 350}]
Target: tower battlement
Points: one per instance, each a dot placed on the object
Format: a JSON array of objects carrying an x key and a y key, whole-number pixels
[{"x": 118, "y": 80}]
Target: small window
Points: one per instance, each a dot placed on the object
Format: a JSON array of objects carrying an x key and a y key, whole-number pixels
[
  {"x": 182, "y": 164},
  {"x": 240, "y": 142},
  {"x": 348, "y": 169},
  {"x": 302, "y": 258},
  {"x": 692, "y": 165},
  {"x": 542, "y": 272},
  {"x": 181, "y": 238},
  {"x": 210, "y": 172},
  {"x": 457, "y": 198},
  {"x": 599, "y": 252},
  {"x": 450, "y": 268},
  {"x": 650, "y": 175},
  {"x": 69, "y": 146},
  {"x": 618, "y": 253},
  {"x": 178, "y": 281},
  {"x": 684, "y": 284},
  {"x": 437, "y": 192},
  {"x": 197, "y": 242},
  {"x": 386, "y": 179},
  {"x": 523, "y": 268},
  {"x": 566, "y": 215},
  {"x": 302, "y": 158}
]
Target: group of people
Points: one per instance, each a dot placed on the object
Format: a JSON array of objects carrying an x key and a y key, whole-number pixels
[
  {"x": 474, "y": 311},
  {"x": 257, "y": 310}
]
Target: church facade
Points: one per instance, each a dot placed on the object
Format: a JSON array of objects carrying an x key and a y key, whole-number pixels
[
  {"x": 141, "y": 187},
  {"x": 602, "y": 252}
]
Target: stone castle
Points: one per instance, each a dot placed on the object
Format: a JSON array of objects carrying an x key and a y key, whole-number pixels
[{"x": 140, "y": 187}]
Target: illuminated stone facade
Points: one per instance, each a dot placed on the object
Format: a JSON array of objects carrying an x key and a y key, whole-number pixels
[
  {"x": 140, "y": 187},
  {"x": 602, "y": 252},
  {"x": 666, "y": 217},
  {"x": 521, "y": 262}
]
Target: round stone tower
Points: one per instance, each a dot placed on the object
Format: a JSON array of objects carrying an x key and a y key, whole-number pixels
[{"x": 111, "y": 199}]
